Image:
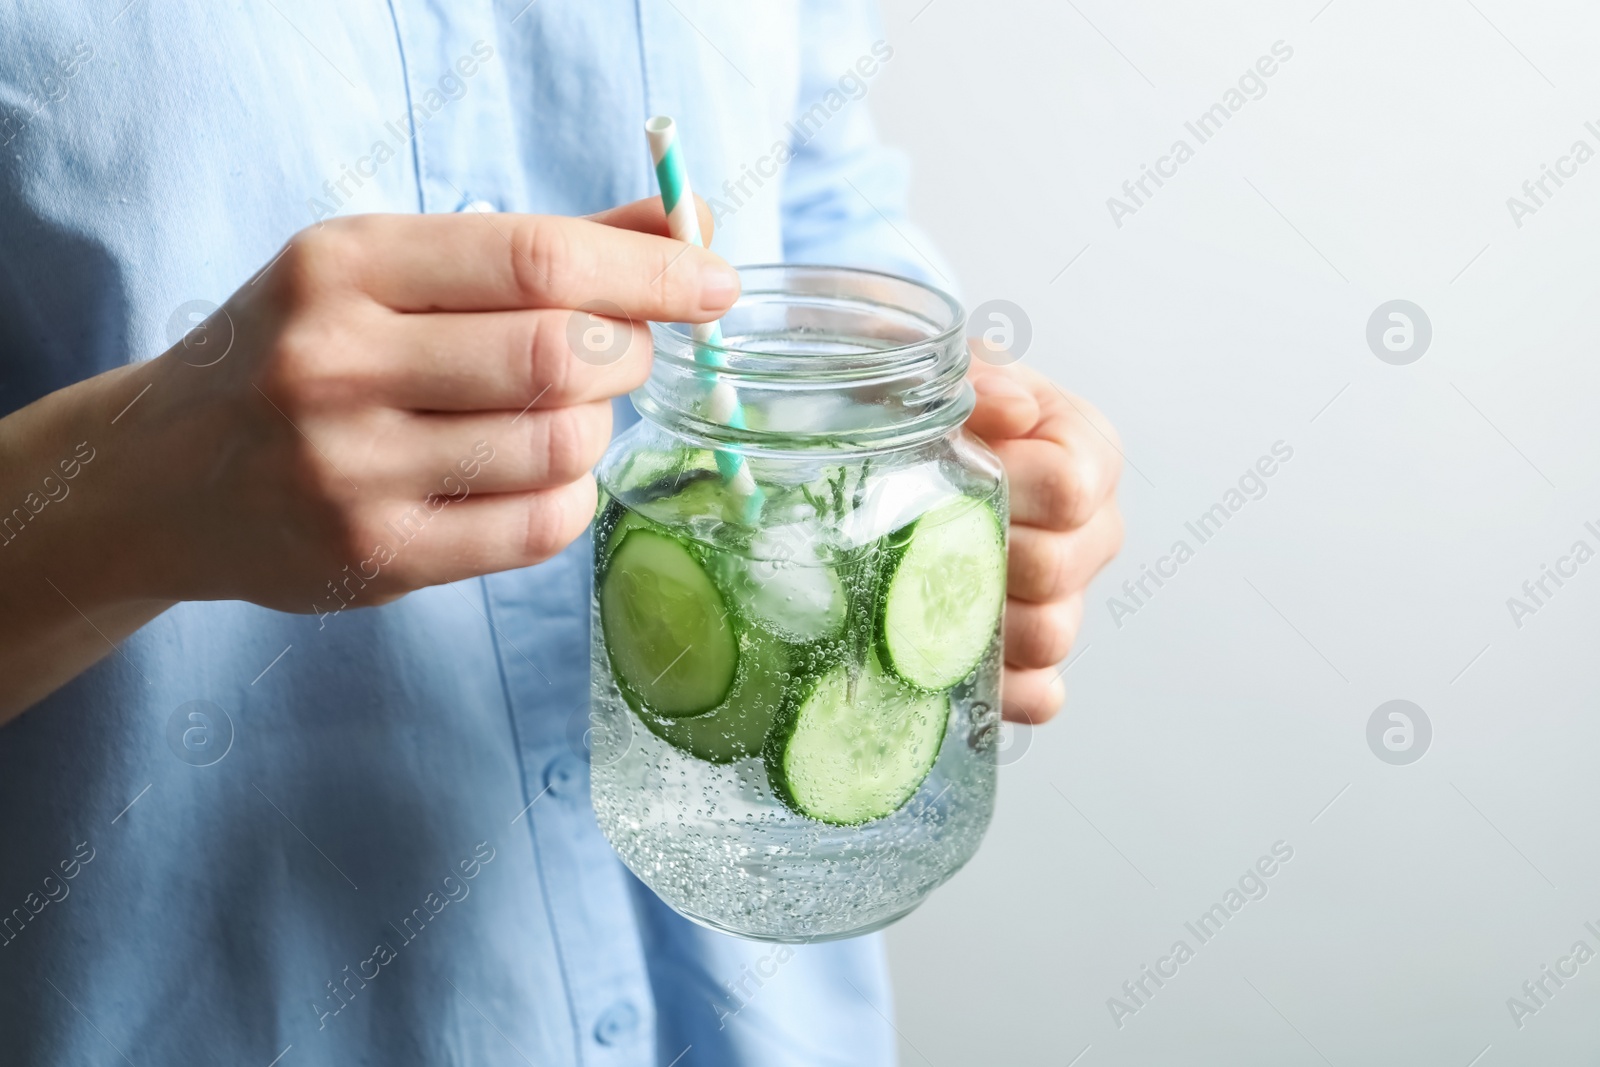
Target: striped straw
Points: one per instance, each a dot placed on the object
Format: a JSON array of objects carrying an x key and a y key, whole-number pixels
[{"x": 683, "y": 222}]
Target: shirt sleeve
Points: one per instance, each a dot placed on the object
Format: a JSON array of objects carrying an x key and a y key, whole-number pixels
[{"x": 845, "y": 193}]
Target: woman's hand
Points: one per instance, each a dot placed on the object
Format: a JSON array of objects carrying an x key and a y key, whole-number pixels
[
  {"x": 402, "y": 403},
  {"x": 1063, "y": 462},
  {"x": 395, "y": 401}
]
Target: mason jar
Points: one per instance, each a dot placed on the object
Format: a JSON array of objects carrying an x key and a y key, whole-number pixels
[{"x": 799, "y": 578}]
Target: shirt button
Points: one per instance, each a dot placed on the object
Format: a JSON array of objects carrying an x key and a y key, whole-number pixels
[
  {"x": 564, "y": 776},
  {"x": 616, "y": 1023},
  {"x": 482, "y": 207}
]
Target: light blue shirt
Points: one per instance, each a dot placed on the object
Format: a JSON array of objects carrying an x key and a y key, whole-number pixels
[{"x": 259, "y": 838}]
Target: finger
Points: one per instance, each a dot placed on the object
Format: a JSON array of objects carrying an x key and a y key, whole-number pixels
[
  {"x": 1005, "y": 407},
  {"x": 1080, "y": 428},
  {"x": 458, "y": 455},
  {"x": 1069, "y": 421},
  {"x": 1052, "y": 486},
  {"x": 505, "y": 360},
  {"x": 1039, "y": 635},
  {"x": 1059, "y": 410},
  {"x": 484, "y": 534},
  {"x": 1031, "y": 696},
  {"x": 648, "y": 216},
  {"x": 487, "y": 262},
  {"x": 1044, "y": 565}
]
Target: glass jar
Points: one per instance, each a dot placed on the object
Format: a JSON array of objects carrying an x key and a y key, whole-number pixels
[{"x": 795, "y": 697}]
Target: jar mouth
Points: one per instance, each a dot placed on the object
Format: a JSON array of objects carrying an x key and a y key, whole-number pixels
[
  {"x": 912, "y": 318},
  {"x": 818, "y": 356}
]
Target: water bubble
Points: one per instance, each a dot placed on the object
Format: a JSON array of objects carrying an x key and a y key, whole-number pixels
[{"x": 603, "y": 739}]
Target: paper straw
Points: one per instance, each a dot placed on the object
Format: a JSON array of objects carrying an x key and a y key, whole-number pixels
[{"x": 683, "y": 223}]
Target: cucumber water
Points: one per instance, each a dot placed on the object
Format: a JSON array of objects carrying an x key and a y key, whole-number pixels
[{"x": 803, "y": 685}]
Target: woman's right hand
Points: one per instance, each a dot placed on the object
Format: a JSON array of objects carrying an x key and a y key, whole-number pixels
[{"x": 393, "y": 402}]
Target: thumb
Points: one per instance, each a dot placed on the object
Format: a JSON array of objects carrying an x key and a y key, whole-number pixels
[{"x": 1006, "y": 408}]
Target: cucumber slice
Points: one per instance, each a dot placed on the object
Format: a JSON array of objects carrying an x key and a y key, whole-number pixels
[
  {"x": 738, "y": 727},
  {"x": 944, "y": 590},
  {"x": 701, "y": 500},
  {"x": 847, "y": 754},
  {"x": 666, "y": 625},
  {"x": 696, "y": 496},
  {"x": 611, "y": 527},
  {"x": 642, "y": 469}
]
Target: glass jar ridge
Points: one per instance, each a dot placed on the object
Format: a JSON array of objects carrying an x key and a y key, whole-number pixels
[{"x": 820, "y": 357}]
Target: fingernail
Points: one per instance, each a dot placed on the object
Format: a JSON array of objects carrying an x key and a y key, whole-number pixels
[
  {"x": 719, "y": 286},
  {"x": 999, "y": 387}
]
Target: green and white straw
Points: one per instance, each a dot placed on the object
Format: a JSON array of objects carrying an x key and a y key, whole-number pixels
[{"x": 683, "y": 223}]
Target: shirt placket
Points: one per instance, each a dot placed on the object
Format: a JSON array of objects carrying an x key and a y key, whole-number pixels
[
  {"x": 465, "y": 159},
  {"x": 541, "y": 625}
]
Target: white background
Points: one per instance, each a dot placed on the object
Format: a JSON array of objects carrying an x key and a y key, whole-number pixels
[{"x": 1230, "y": 313}]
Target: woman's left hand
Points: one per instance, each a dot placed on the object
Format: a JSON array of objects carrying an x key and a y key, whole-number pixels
[{"x": 1063, "y": 461}]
